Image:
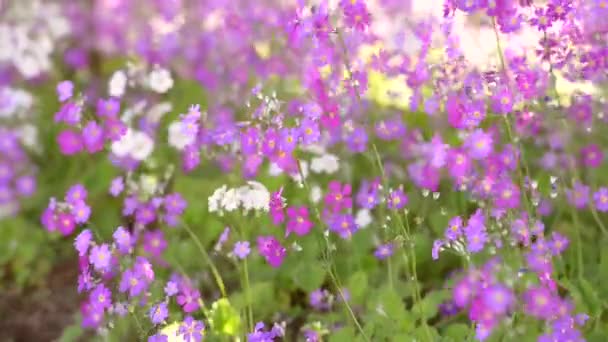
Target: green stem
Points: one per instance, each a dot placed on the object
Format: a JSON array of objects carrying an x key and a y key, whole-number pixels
[
  {"x": 248, "y": 295},
  {"x": 214, "y": 271}
]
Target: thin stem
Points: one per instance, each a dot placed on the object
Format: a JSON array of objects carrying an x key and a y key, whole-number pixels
[
  {"x": 248, "y": 295},
  {"x": 348, "y": 307},
  {"x": 214, "y": 271}
]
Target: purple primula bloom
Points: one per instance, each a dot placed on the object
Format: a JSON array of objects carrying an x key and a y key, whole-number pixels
[
  {"x": 592, "y": 156},
  {"x": 108, "y": 108},
  {"x": 479, "y": 144},
  {"x": 81, "y": 212},
  {"x": 175, "y": 204},
  {"x": 101, "y": 297},
  {"x": 65, "y": 223},
  {"x": 83, "y": 241},
  {"x": 338, "y": 196},
  {"x": 241, "y": 249},
  {"x": 129, "y": 205},
  {"x": 498, "y": 298},
  {"x": 145, "y": 214},
  {"x": 75, "y": 194},
  {"x": 154, "y": 242},
  {"x": 454, "y": 229},
  {"x": 288, "y": 139},
  {"x": 158, "y": 338},
  {"x": 117, "y": 186},
  {"x": 191, "y": 330},
  {"x": 475, "y": 232},
  {"x": 437, "y": 245},
  {"x": 600, "y": 197},
  {"x": 158, "y": 313},
  {"x": 123, "y": 240},
  {"x": 384, "y": 251},
  {"x": 188, "y": 298},
  {"x": 222, "y": 239},
  {"x": 100, "y": 257},
  {"x": 65, "y": 90},
  {"x": 539, "y": 302},
  {"x": 309, "y": 132},
  {"x": 132, "y": 283},
  {"x": 344, "y": 225},
  {"x": 319, "y": 299},
  {"x": 26, "y": 185},
  {"x": 120, "y": 309},
  {"x": 171, "y": 288},
  {"x": 558, "y": 243},
  {"x": 259, "y": 335},
  {"x": 93, "y": 137},
  {"x": 69, "y": 142},
  {"x": 578, "y": 196},
  {"x": 357, "y": 140},
  {"x": 85, "y": 281},
  {"x": 397, "y": 199}
]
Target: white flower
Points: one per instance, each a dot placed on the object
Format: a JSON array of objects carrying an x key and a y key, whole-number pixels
[
  {"x": 231, "y": 200},
  {"x": 159, "y": 110},
  {"x": 213, "y": 201},
  {"x": 160, "y": 80},
  {"x": 135, "y": 144},
  {"x": 327, "y": 163},
  {"x": 177, "y": 138},
  {"x": 142, "y": 147},
  {"x": 315, "y": 194},
  {"x": 363, "y": 218},
  {"x": 118, "y": 84}
]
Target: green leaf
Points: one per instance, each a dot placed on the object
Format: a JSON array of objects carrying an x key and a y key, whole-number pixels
[
  {"x": 345, "y": 334},
  {"x": 357, "y": 284},
  {"x": 223, "y": 318},
  {"x": 308, "y": 275},
  {"x": 456, "y": 332}
]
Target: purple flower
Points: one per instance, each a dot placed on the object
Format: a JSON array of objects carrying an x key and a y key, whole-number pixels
[
  {"x": 475, "y": 232},
  {"x": 338, "y": 196},
  {"x": 309, "y": 132},
  {"x": 592, "y": 156},
  {"x": 479, "y": 144},
  {"x": 191, "y": 330},
  {"x": 600, "y": 197},
  {"x": 396, "y": 200},
  {"x": 65, "y": 90},
  {"x": 171, "y": 288},
  {"x": 93, "y": 137},
  {"x": 132, "y": 282},
  {"x": 454, "y": 229},
  {"x": 497, "y": 298},
  {"x": 175, "y": 204},
  {"x": 75, "y": 194},
  {"x": 101, "y": 297},
  {"x": 108, "y": 108},
  {"x": 158, "y": 313},
  {"x": 81, "y": 212},
  {"x": 158, "y": 338},
  {"x": 241, "y": 249},
  {"x": 343, "y": 225},
  {"x": 579, "y": 195},
  {"x": 154, "y": 242},
  {"x": 100, "y": 257},
  {"x": 437, "y": 245},
  {"x": 117, "y": 186},
  {"x": 123, "y": 240},
  {"x": 83, "y": 241},
  {"x": 539, "y": 302},
  {"x": 298, "y": 221},
  {"x": 384, "y": 251}
]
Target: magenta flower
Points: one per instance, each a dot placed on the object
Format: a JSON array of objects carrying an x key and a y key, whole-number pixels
[
  {"x": 338, "y": 196},
  {"x": 123, "y": 240},
  {"x": 298, "y": 221},
  {"x": 65, "y": 223},
  {"x": 539, "y": 302},
  {"x": 344, "y": 225},
  {"x": 188, "y": 298},
  {"x": 498, "y": 298},
  {"x": 117, "y": 186},
  {"x": 175, "y": 204},
  {"x": 454, "y": 229},
  {"x": 81, "y": 212},
  {"x": 69, "y": 142},
  {"x": 76, "y": 193},
  {"x": 132, "y": 282},
  {"x": 578, "y": 196},
  {"x": 93, "y": 137},
  {"x": 272, "y": 250}
]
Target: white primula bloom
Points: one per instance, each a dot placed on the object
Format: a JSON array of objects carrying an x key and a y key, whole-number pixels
[
  {"x": 363, "y": 218},
  {"x": 177, "y": 138},
  {"x": 118, "y": 84},
  {"x": 160, "y": 80},
  {"x": 135, "y": 144},
  {"x": 159, "y": 110},
  {"x": 213, "y": 201},
  {"x": 122, "y": 147},
  {"x": 258, "y": 195},
  {"x": 274, "y": 169},
  {"x": 315, "y": 194},
  {"x": 327, "y": 163},
  {"x": 231, "y": 200},
  {"x": 143, "y": 146}
]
